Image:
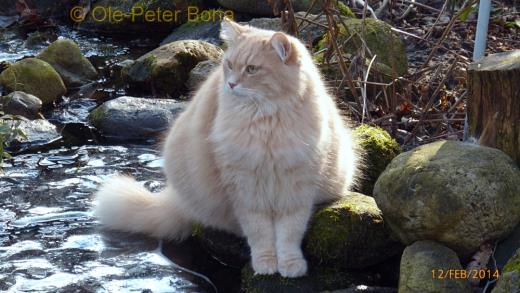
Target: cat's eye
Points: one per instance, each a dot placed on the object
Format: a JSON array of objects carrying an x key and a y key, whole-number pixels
[
  {"x": 229, "y": 65},
  {"x": 251, "y": 69}
]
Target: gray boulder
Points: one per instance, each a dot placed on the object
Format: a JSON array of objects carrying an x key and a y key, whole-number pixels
[
  {"x": 35, "y": 77},
  {"x": 459, "y": 194},
  {"x": 201, "y": 72},
  {"x": 509, "y": 280},
  {"x": 36, "y": 133},
  {"x": 203, "y": 31},
  {"x": 166, "y": 69},
  {"x": 135, "y": 118},
  {"x": 65, "y": 57},
  {"x": 423, "y": 263},
  {"x": 20, "y": 103}
]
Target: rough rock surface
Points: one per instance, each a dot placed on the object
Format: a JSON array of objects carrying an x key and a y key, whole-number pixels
[
  {"x": 379, "y": 38},
  {"x": 166, "y": 69},
  {"x": 509, "y": 280},
  {"x": 37, "y": 133},
  {"x": 65, "y": 57},
  {"x": 459, "y": 194},
  {"x": 135, "y": 118},
  {"x": 378, "y": 149},
  {"x": 201, "y": 72},
  {"x": 20, "y": 103},
  {"x": 350, "y": 233},
  {"x": 422, "y": 258},
  {"x": 35, "y": 77}
]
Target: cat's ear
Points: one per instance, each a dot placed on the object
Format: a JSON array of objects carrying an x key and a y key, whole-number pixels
[
  {"x": 282, "y": 45},
  {"x": 230, "y": 30}
]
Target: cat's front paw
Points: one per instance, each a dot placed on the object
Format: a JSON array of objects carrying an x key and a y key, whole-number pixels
[
  {"x": 265, "y": 265},
  {"x": 292, "y": 268}
]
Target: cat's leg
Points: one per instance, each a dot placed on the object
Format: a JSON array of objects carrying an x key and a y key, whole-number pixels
[
  {"x": 290, "y": 228},
  {"x": 258, "y": 228}
]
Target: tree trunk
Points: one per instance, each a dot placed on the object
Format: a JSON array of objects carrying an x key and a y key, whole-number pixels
[{"x": 494, "y": 102}]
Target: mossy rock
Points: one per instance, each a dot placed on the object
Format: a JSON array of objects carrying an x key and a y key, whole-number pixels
[
  {"x": 351, "y": 233},
  {"x": 66, "y": 58},
  {"x": 459, "y": 194},
  {"x": 513, "y": 264},
  {"x": 348, "y": 234},
  {"x": 166, "y": 69},
  {"x": 379, "y": 148},
  {"x": 509, "y": 280},
  {"x": 423, "y": 258},
  {"x": 318, "y": 279},
  {"x": 226, "y": 247},
  {"x": 35, "y": 77},
  {"x": 379, "y": 38}
]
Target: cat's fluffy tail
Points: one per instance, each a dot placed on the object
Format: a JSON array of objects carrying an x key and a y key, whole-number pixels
[{"x": 123, "y": 204}]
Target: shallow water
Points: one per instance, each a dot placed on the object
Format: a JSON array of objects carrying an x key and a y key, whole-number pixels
[{"x": 49, "y": 241}]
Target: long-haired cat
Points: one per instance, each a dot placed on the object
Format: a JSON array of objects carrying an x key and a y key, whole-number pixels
[{"x": 261, "y": 143}]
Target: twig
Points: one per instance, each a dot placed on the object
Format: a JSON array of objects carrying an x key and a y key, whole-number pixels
[
  {"x": 430, "y": 103},
  {"x": 445, "y": 33},
  {"x": 365, "y": 89}
]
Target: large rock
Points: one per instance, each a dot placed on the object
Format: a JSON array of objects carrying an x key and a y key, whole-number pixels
[
  {"x": 318, "y": 279},
  {"x": 378, "y": 37},
  {"x": 509, "y": 280},
  {"x": 65, "y": 57},
  {"x": 202, "y": 31},
  {"x": 166, "y": 69},
  {"x": 36, "y": 134},
  {"x": 423, "y": 263},
  {"x": 263, "y": 7},
  {"x": 350, "y": 233},
  {"x": 459, "y": 194},
  {"x": 378, "y": 148},
  {"x": 20, "y": 103},
  {"x": 135, "y": 118},
  {"x": 201, "y": 72},
  {"x": 35, "y": 77}
]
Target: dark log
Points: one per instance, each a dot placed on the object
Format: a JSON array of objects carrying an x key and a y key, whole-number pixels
[{"x": 494, "y": 102}]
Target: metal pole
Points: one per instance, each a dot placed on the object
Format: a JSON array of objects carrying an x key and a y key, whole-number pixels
[{"x": 484, "y": 10}]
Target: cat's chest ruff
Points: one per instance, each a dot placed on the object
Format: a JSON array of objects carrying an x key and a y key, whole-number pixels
[{"x": 269, "y": 141}]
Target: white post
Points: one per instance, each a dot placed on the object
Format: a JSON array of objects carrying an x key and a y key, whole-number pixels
[{"x": 484, "y": 10}]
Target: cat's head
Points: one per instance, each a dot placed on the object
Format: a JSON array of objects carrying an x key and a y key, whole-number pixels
[{"x": 260, "y": 63}]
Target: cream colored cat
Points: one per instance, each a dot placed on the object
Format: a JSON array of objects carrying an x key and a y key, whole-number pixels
[{"x": 261, "y": 143}]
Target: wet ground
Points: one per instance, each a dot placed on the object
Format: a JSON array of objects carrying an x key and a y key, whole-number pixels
[{"x": 49, "y": 241}]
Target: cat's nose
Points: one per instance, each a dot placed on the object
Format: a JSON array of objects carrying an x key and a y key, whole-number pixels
[{"x": 232, "y": 85}]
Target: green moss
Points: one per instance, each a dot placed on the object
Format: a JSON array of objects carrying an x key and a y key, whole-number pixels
[
  {"x": 345, "y": 10},
  {"x": 513, "y": 264},
  {"x": 378, "y": 148},
  {"x": 97, "y": 116},
  {"x": 34, "y": 77},
  {"x": 66, "y": 58},
  {"x": 378, "y": 36},
  {"x": 349, "y": 233}
]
